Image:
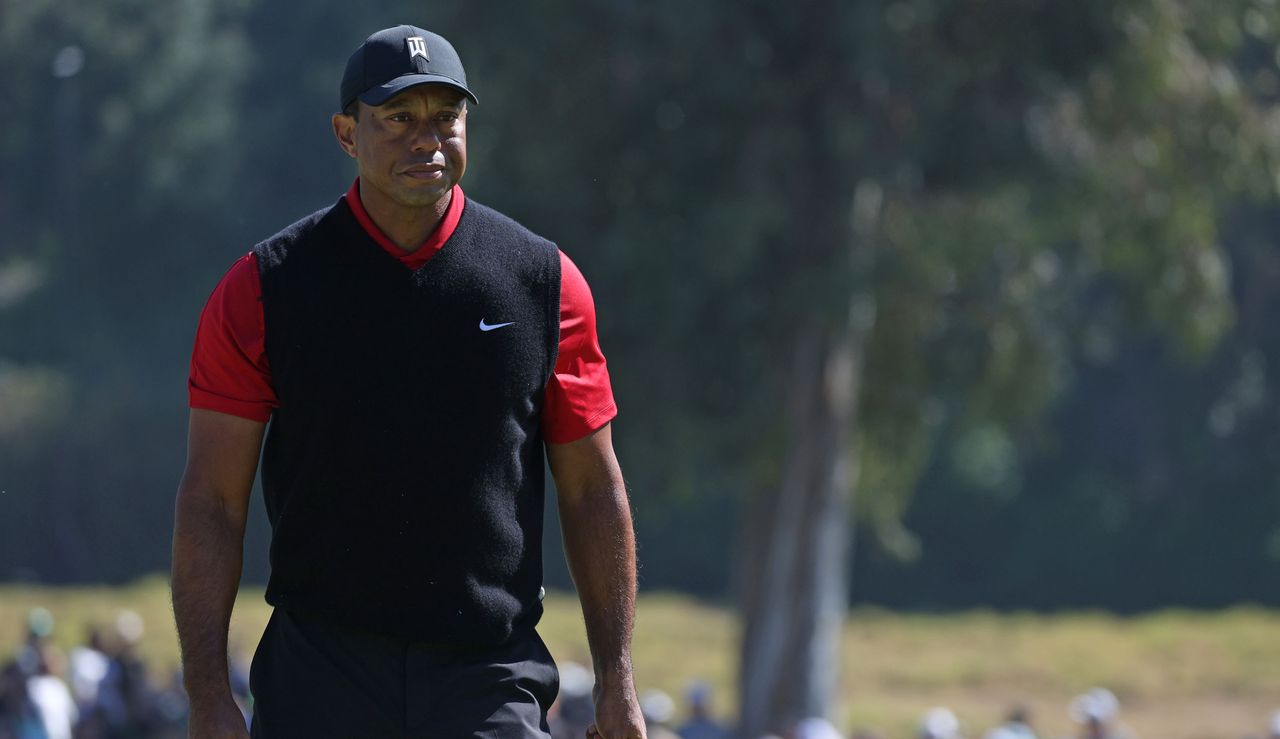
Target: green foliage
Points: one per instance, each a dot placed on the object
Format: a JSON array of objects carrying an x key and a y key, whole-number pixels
[
  {"x": 1083, "y": 206},
  {"x": 1059, "y": 201},
  {"x": 120, "y": 118}
]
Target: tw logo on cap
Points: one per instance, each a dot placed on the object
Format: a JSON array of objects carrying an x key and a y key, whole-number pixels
[{"x": 417, "y": 47}]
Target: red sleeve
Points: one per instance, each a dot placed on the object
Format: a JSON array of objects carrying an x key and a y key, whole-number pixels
[
  {"x": 579, "y": 397},
  {"x": 229, "y": 371}
]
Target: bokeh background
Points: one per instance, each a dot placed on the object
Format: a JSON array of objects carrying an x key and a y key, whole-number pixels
[{"x": 925, "y": 306}]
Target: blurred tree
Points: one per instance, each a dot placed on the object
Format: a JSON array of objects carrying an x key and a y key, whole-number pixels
[
  {"x": 937, "y": 208},
  {"x": 1144, "y": 460},
  {"x": 1049, "y": 206},
  {"x": 123, "y": 120}
]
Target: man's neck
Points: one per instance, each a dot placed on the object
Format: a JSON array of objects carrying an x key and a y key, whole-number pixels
[{"x": 407, "y": 227}]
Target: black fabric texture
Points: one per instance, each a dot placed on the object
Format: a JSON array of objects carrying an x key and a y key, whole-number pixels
[
  {"x": 315, "y": 678},
  {"x": 403, "y": 469}
]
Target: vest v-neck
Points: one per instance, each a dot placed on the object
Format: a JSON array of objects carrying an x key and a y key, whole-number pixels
[{"x": 413, "y": 261}]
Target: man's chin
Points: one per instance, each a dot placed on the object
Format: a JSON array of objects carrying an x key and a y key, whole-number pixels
[{"x": 422, "y": 197}]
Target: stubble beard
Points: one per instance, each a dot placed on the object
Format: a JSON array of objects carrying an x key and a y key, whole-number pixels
[{"x": 421, "y": 197}]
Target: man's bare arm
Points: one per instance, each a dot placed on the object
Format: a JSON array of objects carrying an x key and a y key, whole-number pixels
[
  {"x": 208, "y": 549},
  {"x": 600, "y": 546}
]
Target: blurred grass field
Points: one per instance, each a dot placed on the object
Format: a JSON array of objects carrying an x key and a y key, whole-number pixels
[{"x": 1179, "y": 675}]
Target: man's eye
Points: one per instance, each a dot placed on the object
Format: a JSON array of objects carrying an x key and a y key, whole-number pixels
[{"x": 400, "y": 117}]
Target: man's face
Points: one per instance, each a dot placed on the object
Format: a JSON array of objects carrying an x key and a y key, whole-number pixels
[{"x": 410, "y": 150}]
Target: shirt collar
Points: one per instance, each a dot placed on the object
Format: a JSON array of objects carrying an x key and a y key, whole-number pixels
[{"x": 435, "y": 240}]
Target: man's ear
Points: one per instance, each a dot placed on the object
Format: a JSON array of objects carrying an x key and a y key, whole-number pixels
[{"x": 344, "y": 129}]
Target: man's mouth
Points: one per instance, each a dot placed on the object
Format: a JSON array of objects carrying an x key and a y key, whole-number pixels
[{"x": 424, "y": 171}]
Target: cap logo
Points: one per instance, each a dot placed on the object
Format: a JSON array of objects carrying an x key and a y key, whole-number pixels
[{"x": 417, "y": 47}]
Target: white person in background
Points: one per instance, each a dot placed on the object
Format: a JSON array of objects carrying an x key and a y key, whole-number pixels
[{"x": 1097, "y": 712}]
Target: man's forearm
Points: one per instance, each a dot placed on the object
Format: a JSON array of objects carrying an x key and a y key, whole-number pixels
[
  {"x": 600, "y": 545},
  {"x": 208, "y": 546},
  {"x": 601, "y": 551}
]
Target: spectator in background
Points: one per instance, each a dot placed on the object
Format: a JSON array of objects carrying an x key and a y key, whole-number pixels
[
  {"x": 1016, "y": 726},
  {"x": 1097, "y": 712},
  {"x": 573, "y": 710},
  {"x": 35, "y": 643},
  {"x": 700, "y": 724},
  {"x": 88, "y": 666},
  {"x": 38, "y": 662},
  {"x": 172, "y": 708},
  {"x": 815, "y": 728},
  {"x": 51, "y": 696},
  {"x": 658, "y": 709},
  {"x": 125, "y": 695},
  {"x": 939, "y": 723},
  {"x": 19, "y": 718}
]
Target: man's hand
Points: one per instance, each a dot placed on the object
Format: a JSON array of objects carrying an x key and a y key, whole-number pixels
[
  {"x": 221, "y": 720},
  {"x": 617, "y": 711}
]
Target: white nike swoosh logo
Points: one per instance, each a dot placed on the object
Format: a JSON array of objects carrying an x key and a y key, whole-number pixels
[{"x": 491, "y": 326}]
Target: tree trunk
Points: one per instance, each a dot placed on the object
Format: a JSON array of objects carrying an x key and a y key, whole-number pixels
[{"x": 798, "y": 534}]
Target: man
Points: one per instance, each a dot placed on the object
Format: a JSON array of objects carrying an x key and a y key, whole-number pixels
[
  {"x": 1016, "y": 726},
  {"x": 412, "y": 350},
  {"x": 1098, "y": 713},
  {"x": 939, "y": 723},
  {"x": 701, "y": 724}
]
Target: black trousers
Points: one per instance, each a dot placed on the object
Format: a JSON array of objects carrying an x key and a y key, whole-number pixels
[{"x": 314, "y": 678}]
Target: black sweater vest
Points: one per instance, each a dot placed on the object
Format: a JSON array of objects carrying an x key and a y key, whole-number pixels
[{"x": 403, "y": 469}]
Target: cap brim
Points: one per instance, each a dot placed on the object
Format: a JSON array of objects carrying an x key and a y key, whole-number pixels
[{"x": 380, "y": 94}]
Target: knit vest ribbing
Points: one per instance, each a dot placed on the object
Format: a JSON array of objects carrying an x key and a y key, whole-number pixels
[{"x": 403, "y": 469}]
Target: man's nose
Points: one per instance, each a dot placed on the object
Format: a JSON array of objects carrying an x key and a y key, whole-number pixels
[{"x": 425, "y": 137}]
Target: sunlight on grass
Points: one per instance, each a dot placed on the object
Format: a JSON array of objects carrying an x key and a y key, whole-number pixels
[{"x": 1177, "y": 673}]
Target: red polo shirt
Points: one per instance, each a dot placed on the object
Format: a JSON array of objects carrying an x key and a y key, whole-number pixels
[{"x": 230, "y": 373}]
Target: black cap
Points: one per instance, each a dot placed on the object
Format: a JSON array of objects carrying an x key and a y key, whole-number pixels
[{"x": 395, "y": 59}]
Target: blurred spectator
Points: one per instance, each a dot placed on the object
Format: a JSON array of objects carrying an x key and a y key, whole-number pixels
[
  {"x": 815, "y": 728},
  {"x": 37, "y": 665},
  {"x": 1097, "y": 712},
  {"x": 88, "y": 666},
  {"x": 1016, "y": 726},
  {"x": 40, "y": 625},
  {"x": 51, "y": 697},
  {"x": 939, "y": 723},
  {"x": 19, "y": 718},
  {"x": 125, "y": 695},
  {"x": 172, "y": 707},
  {"x": 700, "y": 724},
  {"x": 573, "y": 710},
  {"x": 35, "y": 645},
  {"x": 658, "y": 709}
]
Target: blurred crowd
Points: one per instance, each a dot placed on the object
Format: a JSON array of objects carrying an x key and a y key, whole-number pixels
[
  {"x": 101, "y": 690},
  {"x": 98, "y": 690},
  {"x": 1095, "y": 713}
]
